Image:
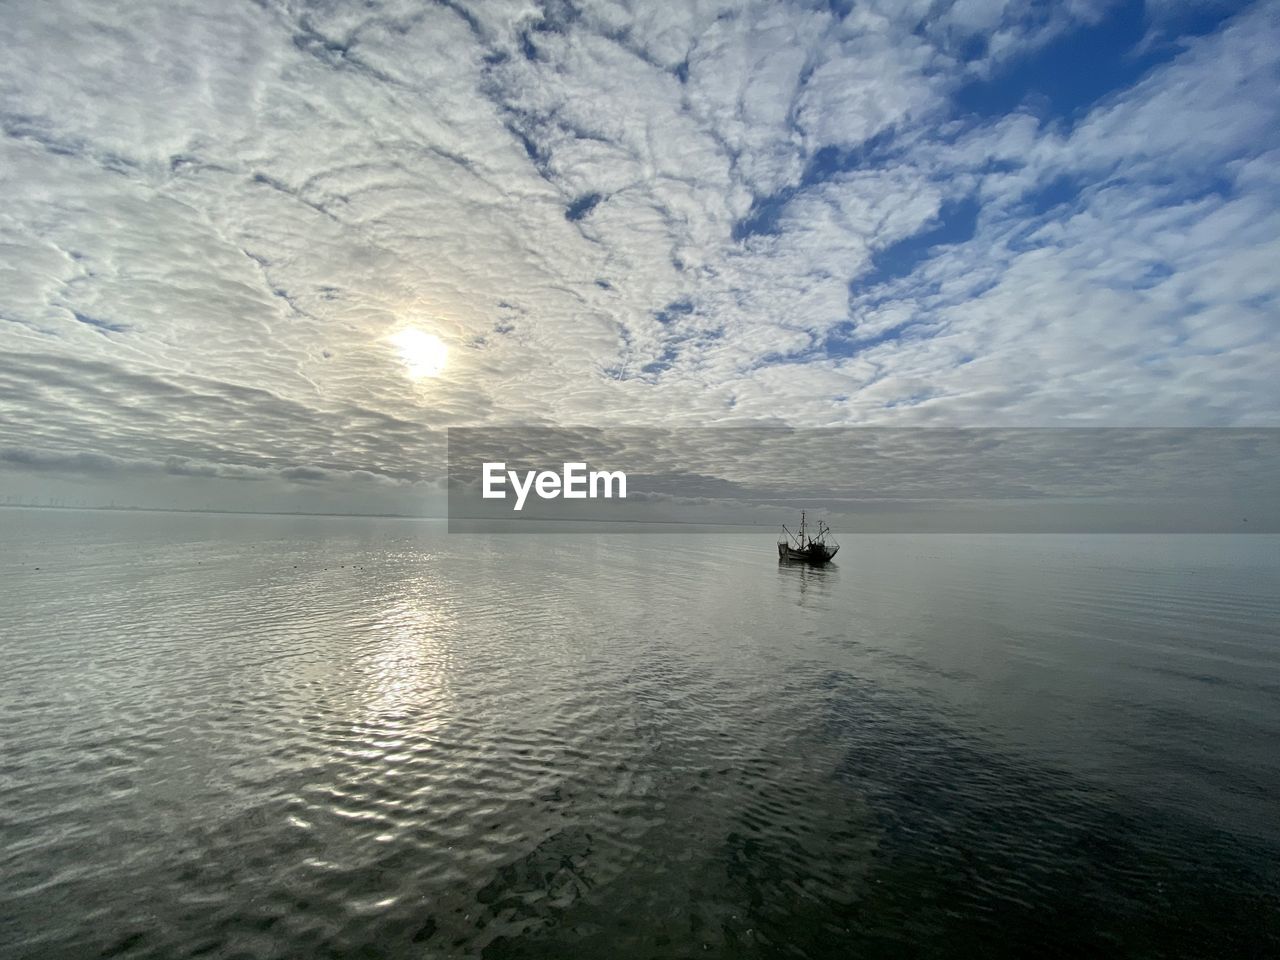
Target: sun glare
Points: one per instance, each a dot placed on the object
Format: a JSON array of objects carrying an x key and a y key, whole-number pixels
[{"x": 424, "y": 354}]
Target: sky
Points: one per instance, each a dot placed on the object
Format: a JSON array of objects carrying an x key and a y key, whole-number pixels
[{"x": 220, "y": 220}]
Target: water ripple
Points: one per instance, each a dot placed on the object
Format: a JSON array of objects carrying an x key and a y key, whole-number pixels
[{"x": 281, "y": 737}]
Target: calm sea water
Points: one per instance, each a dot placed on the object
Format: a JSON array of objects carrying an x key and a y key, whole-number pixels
[{"x": 316, "y": 737}]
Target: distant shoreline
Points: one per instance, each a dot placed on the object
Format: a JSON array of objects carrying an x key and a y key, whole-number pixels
[
  {"x": 369, "y": 516},
  {"x": 213, "y": 510}
]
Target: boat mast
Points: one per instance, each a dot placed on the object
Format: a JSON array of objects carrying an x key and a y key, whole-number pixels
[{"x": 801, "y": 529}]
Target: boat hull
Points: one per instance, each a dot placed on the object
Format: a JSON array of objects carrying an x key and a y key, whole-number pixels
[{"x": 815, "y": 554}]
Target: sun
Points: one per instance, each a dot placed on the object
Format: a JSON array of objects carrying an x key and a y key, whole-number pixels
[{"x": 424, "y": 354}]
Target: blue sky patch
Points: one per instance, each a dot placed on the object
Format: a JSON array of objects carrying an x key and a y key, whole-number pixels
[
  {"x": 105, "y": 326},
  {"x": 956, "y": 222},
  {"x": 1075, "y": 71},
  {"x": 582, "y": 206},
  {"x": 674, "y": 309}
]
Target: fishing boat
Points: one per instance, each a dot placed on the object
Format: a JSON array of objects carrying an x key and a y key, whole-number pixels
[{"x": 805, "y": 548}]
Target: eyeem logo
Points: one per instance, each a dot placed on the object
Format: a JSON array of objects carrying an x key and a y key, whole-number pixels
[{"x": 574, "y": 483}]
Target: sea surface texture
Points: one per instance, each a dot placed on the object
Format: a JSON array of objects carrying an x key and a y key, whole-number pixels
[{"x": 270, "y": 737}]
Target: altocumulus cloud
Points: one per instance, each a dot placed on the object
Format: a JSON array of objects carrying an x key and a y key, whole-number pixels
[{"x": 653, "y": 214}]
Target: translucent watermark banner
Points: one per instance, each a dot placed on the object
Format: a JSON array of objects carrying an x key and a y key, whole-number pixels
[{"x": 874, "y": 480}]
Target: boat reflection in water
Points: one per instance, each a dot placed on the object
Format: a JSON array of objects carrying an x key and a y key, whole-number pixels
[
  {"x": 804, "y": 548},
  {"x": 809, "y": 584}
]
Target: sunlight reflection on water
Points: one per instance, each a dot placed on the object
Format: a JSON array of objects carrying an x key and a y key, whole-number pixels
[{"x": 278, "y": 736}]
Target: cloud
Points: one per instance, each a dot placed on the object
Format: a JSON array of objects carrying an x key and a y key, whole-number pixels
[{"x": 216, "y": 218}]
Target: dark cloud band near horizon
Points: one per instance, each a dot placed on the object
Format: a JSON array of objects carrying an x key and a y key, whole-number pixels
[
  {"x": 870, "y": 479},
  {"x": 220, "y": 220}
]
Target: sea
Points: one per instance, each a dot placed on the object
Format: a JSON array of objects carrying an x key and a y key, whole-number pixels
[{"x": 232, "y": 736}]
